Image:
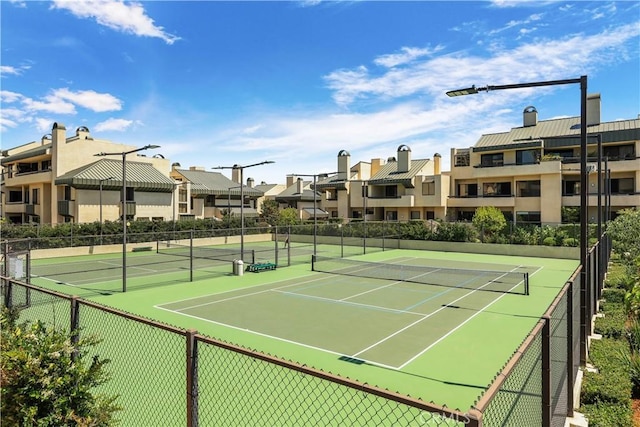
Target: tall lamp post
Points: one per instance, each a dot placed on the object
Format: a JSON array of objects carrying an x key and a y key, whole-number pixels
[
  {"x": 101, "y": 182},
  {"x": 315, "y": 207},
  {"x": 124, "y": 204},
  {"x": 585, "y": 321},
  {"x": 241, "y": 169}
]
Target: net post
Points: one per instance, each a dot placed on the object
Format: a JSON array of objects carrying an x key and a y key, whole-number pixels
[
  {"x": 191, "y": 256},
  {"x": 526, "y": 283},
  {"x": 313, "y": 262},
  {"x": 342, "y": 242},
  {"x": 276, "y": 242},
  {"x": 289, "y": 247}
]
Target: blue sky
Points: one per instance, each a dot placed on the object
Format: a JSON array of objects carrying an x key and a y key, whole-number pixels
[{"x": 222, "y": 83}]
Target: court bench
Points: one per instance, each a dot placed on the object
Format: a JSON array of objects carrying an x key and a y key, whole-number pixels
[
  {"x": 142, "y": 249},
  {"x": 260, "y": 266}
]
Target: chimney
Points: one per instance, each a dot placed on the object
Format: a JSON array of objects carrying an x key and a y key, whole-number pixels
[
  {"x": 45, "y": 139},
  {"x": 235, "y": 174},
  {"x": 290, "y": 179},
  {"x": 195, "y": 168},
  {"x": 404, "y": 158},
  {"x": 376, "y": 164},
  {"x": 83, "y": 132},
  {"x": 250, "y": 182},
  {"x": 437, "y": 158},
  {"x": 593, "y": 109},
  {"x": 300, "y": 186},
  {"x": 530, "y": 116},
  {"x": 344, "y": 160},
  {"x": 58, "y": 134}
]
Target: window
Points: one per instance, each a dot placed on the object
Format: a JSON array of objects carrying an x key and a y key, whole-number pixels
[
  {"x": 332, "y": 194},
  {"x": 391, "y": 215},
  {"x": 34, "y": 197},
  {"x": 430, "y": 215},
  {"x": 619, "y": 152},
  {"x": 465, "y": 215},
  {"x": 15, "y": 196},
  {"x": 130, "y": 194},
  {"x": 391, "y": 191},
  {"x": 528, "y": 188},
  {"x": 527, "y": 157},
  {"x": 209, "y": 201},
  {"x": 27, "y": 167},
  {"x": 461, "y": 160},
  {"x": 491, "y": 160},
  {"x": 356, "y": 214},
  {"x": 67, "y": 193},
  {"x": 428, "y": 188},
  {"x": 622, "y": 186},
  {"x": 570, "y": 188},
  {"x": 45, "y": 165},
  {"x": 26, "y": 196},
  {"x": 528, "y": 217},
  {"x": 415, "y": 214},
  {"x": 334, "y": 214},
  {"x": 496, "y": 189},
  {"x": 467, "y": 190}
]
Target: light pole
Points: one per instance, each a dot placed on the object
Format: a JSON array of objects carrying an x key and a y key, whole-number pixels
[
  {"x": 101, "y": 181},
  {"x": 241, "y": 169},
  {"x": 315, "y": 200},
  {"x": 124, "y": 205},
  {"x": 585, "y": 320}
]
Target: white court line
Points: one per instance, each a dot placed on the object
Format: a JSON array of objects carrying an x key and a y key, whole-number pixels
[
  {"x": 432, "y": 313},
  {"x": 341, "y": 301},
  {"x": 390, "y": 284},
  {"x": 459, "y": 326},
  {"x": 277, "y": 338}
]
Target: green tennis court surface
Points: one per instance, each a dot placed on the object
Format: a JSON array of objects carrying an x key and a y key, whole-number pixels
[{"x": 440, "y": 342}]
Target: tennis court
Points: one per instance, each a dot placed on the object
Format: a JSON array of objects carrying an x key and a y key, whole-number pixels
[
  {"x": 412, "y": 321},
  {"x": 353, "y": 315}
]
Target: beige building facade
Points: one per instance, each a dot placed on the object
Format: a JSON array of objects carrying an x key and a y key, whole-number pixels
[
  {"x": 59, "y": 179},
  {"x": 532, "y": 172}
]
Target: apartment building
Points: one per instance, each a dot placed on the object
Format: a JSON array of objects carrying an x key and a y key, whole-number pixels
[
  {"x": 299, "y": 195},
  {"x": 532, "y": 172},
  {"x": 399, "y": 189},
  {"x": 60, "y": 179},
  {"x": 203, "y": 194}
]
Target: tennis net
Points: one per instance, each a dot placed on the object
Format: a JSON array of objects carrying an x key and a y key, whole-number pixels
[
  {"x": 485, "y": 280},
  {"x": 205, "y": 252}
]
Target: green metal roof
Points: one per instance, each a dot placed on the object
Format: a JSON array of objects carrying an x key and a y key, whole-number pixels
[
  {"x": 556, "y": 133},
  {"x": 389, "y": 174},
  {"x": 291, "y": 192},
  {"x": 141, "y": 176},
  {"x": 215, "y": 183},
  {"x": 33, "y": 152}
]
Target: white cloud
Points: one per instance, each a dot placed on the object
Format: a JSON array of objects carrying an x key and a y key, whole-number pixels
[
  {"x": 406, "y": 55},
  {"x": 92, "y": 100},
  {"x": 14, "y": 71},
  {"x": 112, "y": 124},
  {"x": 51, "y": 104},
  {"x": 118, "y": 15},
  {"x": 543, "y": 60},
  {"x": 44, "y": 124},
  {"x": 9, "y": 97}
]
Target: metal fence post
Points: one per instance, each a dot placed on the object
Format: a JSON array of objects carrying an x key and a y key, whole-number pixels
[
  {"x": 192, "y": 378},
  {"x": 75, "y": 326},
  {"x": 546, "y": 372},
  {"x": 570, "y": 377}
]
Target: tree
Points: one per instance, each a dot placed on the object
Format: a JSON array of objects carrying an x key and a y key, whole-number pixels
[
  {"x": 46, "y": 381},
  {"x": 270, "y": 212},
  {"x": 625, "y": 234},
  {"x": 488, "y": 220},
  {"x": 288, "y": 216}
]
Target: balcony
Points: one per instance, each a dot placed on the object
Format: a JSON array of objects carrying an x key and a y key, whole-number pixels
[
  {"x": 391, "y": 202},
  {"x": 15, "y": 208},
  {"x": 66, "y": 207},
  {"x": 29, "y": 178},
  {"x": 472, "y": 202}
]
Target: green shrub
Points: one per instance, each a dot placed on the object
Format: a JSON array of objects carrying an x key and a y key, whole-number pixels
[
  {"x": 605, "y": 415},
  {"x": 611, "y": 325},
  {"x": 549, "y": 241},
  {"x": 44, "y": 383},
  {"x": 570, "y": 242},
  {"x": 614, "y": 295}
]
